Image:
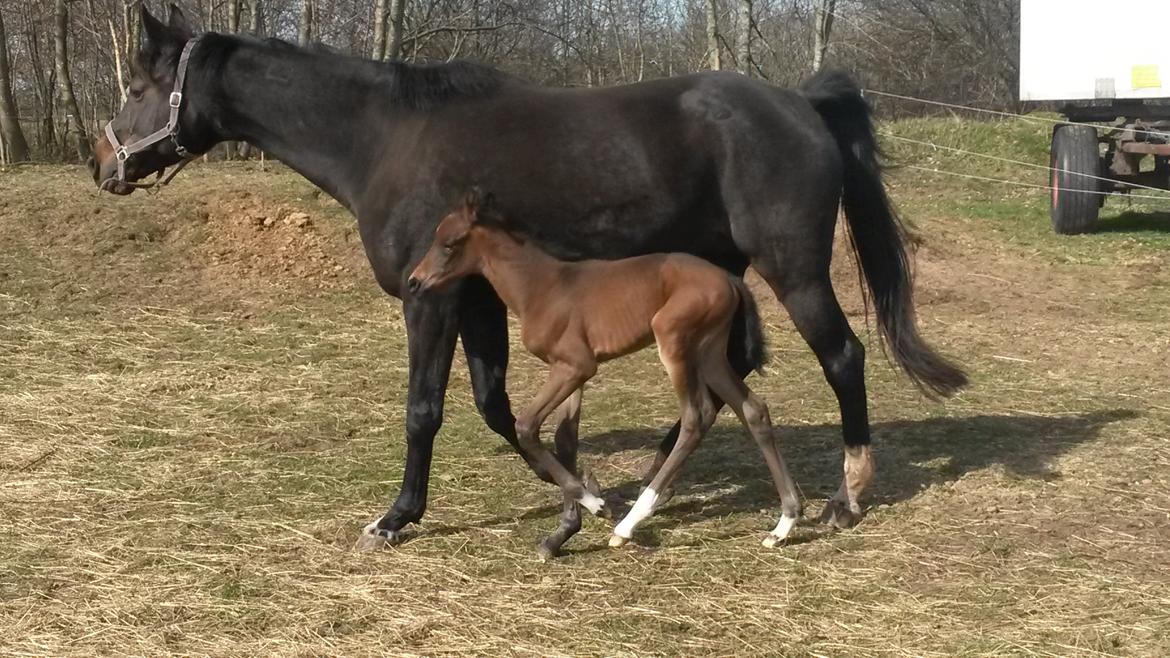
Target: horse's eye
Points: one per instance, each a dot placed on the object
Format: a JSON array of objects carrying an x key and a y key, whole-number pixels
[{"x": 136, "y": 94}]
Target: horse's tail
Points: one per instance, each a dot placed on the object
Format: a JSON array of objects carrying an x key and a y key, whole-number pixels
[
  {"x": 877, "y": 233},
  {"x": 755, "y": 351}
]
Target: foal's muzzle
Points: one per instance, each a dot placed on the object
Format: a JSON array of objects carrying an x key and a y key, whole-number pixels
[{"x": 414, "y": 285}]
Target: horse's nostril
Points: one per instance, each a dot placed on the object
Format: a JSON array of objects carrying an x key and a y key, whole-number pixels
[{"x": 413, "y": 284}]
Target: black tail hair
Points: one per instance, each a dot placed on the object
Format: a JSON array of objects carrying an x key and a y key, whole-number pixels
[
  {"x": 755, "y": 350},
  {"x": 877, "y": 233}
]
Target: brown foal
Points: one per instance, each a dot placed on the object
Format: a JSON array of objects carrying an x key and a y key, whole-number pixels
[{"x": 575, "y": 315}]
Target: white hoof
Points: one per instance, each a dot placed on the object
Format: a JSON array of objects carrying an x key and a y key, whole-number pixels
[
  {"x": 616, "y": 541},
  {"x": 771, "y": 541},
  {"x": 373, "y": 539}
]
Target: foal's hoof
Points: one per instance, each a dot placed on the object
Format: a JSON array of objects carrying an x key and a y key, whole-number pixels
[
  {"x": 374, "y": 538},
  {"x": 838, "y": 515},
  {"x": 781, "y": 532},
  {"x": 617, "y": 542}
]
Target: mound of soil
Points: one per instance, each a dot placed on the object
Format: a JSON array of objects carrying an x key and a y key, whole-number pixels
[{"x": 254, "y": 241}]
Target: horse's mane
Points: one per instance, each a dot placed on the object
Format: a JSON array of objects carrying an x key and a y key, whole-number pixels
[{"x": 413, "y": 86}]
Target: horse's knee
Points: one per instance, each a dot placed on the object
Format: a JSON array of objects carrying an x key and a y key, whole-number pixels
[
  {"x": 847, "y": 366},
  {"x": 526, "y": 429},
  {"x": 496, "y": 411},
  {"x": 423, "y": 420}
]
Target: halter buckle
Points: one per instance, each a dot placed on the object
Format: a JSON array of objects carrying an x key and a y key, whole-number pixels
[
  {"x": 121, "y": 153},
  {"x": 175, "y": 100}
]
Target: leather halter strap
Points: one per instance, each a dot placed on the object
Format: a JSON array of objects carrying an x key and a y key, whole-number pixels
[{"x": 170, "y": 131}]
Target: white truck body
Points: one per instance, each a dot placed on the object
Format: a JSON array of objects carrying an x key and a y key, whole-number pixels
[{"x": 1082, "y": 50}]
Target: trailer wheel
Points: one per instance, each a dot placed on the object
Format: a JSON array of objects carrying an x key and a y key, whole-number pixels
[{"x": 1076, "y": 198}]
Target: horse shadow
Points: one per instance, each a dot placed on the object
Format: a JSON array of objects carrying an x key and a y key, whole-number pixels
[
  {"x": 1136, "y": 222},
  {"x": 726, "y": 474}
]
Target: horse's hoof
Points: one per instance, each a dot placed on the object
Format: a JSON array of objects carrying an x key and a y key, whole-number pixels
[
  {"x": 838, "y": 515},
  {"x": 374, "y": 538},
  {"x": 545, "y": 553},
  {"x": 771, "y": 541},
  {"x": 617, "y": 542}
]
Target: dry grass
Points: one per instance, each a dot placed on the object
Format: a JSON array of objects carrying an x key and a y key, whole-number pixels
[{"x": 191, "y": 436}]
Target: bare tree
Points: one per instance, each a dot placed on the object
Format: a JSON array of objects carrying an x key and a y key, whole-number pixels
[
  {"x": 713, "y": 57},
  {"x": 379, "y": 49},
  {"x": 11, "y": 136},
  {"x": 305, "y": 34},
  {"x": 822, "y": 28},
  {"x": 65, "y": 82},
  {"x": 397, "y": 33},
  {"x": 743, "y": 41}
]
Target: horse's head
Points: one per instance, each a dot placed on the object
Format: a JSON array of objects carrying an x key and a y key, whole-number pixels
[
  {"x": 453, "y": 254},
  {"x": 147, "y": 109}
]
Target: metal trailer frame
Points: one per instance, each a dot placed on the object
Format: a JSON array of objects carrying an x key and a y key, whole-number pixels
[{"x": 1076, "y": 54}]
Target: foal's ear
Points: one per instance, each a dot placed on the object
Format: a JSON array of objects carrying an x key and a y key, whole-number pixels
[{"x": 477, "y": 202}]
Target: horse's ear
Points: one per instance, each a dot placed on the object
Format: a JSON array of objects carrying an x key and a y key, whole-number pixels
[
  {"x": 178, "y": 22},
  {"x": 472, "y": 201},
  {"x": 155, "y": 31}
]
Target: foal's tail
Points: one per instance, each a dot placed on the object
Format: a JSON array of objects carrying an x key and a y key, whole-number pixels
[
  {"x": 754, "y": 350},
  {"x": 877, "y": 233}
]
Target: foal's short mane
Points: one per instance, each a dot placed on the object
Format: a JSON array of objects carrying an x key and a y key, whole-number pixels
[{"x": 411, "y": 86}]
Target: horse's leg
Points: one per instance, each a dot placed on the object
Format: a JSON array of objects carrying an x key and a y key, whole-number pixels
[
  {"x": 430, "y": 335},
  {"x": 753, "y": 413},
  {"x": 698, "y": 413},
  {"x": 562, "y": 382},
  {"x": 818, "y": 317},
  {"x": 568, "y": 419},
  {"x": 483, "y": 327}
]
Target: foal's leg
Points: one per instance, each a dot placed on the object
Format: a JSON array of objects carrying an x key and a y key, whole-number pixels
[
  {"x": 739, "y": 363},
  {"x": 753, "y": 413},
  {"x": 568, "y": 418},
  {"x": 698, "y": 413},
  {"x": 563, "y": 380}
]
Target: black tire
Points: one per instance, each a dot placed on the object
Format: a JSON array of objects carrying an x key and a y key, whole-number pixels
[{"x": 1076, "y": 198}]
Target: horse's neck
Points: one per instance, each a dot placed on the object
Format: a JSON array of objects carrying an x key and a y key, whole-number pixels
[
  {"x": 311, "y": 112},
  {"x": 517, "y": 270}
]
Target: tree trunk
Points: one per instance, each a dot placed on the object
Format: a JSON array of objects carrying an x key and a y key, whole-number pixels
[
  {"x": 715, "y": 61},
  {"x": 379, "y": 49},
  {"x": 233, "y": 18},
  {"x": 65, "y": 83},
  {"x": 397, "y": 13},
  {"x": 255, "y": 26},
  {"x": 743, "y": 44},
  {"x": 822, "y": 28},
  {"x": 305, "y": 36},
  {"x": 11, "y": 136}
]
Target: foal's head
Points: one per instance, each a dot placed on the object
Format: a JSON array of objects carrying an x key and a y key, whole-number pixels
[{"x": 455, "y": 252}]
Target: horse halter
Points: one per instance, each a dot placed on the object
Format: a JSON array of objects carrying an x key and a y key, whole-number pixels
[{"x": 169, "y": 131}]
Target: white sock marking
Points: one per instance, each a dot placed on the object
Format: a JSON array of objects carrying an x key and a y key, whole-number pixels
[
  {"x": 642, "y": 508},
  {"x": 785, "y": 526},
  {"x": 591, "y": 502}
]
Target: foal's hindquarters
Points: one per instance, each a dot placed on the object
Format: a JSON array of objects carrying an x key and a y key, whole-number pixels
[{"x": 695, "y": 357}]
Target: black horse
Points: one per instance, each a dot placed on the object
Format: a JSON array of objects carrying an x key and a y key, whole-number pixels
[{"x": 727, "y": 168}]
